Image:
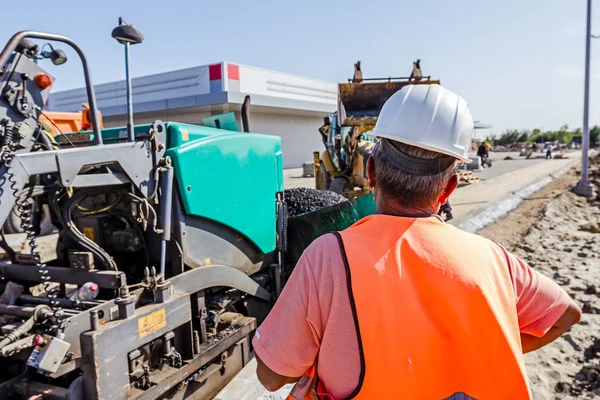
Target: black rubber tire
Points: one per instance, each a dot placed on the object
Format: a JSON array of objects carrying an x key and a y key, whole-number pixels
[
  {"x": 488, "y": 163},
  {"x": 339, "y": 185},
  {"x": 13, "y": 222},
  {"x": 325, "y": 176}
]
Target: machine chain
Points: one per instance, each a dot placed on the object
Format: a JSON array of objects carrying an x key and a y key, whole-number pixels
[{"x": 25, "y": 214}]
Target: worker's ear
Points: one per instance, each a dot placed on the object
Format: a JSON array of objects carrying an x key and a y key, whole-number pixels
[
  {"x": 371, "y": 172},
  {"x": 450, "y": 187}
]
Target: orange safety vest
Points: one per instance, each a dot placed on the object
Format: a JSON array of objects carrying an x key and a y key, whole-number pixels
[{"x": 435, "y": 312}]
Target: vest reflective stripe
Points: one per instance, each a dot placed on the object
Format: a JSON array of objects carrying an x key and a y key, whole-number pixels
[{"x": 435, "y": 309}]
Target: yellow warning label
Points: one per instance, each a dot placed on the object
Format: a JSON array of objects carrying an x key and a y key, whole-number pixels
[
  {"x": 185, "y": 135},
  {"x": 152, "y": 322},
  {"x": 89, "y": 233}
]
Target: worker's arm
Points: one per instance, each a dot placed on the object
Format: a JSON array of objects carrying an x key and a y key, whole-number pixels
[
  {"x": 270, "y": 379},
  {"x": 570, "y": 317},
  {"x": 545, "y": 311},
  {"x": 287, "y": 342}
]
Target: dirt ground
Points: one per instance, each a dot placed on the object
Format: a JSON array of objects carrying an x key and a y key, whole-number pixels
[{"x": 558, "y": 233}]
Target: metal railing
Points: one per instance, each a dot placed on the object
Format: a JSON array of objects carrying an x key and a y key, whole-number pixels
[
  {"x": 14, "y": 42},
  {"x": 405, "y": 78}
]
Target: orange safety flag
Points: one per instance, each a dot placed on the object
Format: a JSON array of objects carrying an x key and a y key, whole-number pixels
[{"x": 435, "y": 313}]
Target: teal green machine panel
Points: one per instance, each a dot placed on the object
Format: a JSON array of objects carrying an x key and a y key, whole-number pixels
[
  {"x": 179, "y": 134},
  {"x": 225, "y": 121},
  {"x": 231, "y": 178}
]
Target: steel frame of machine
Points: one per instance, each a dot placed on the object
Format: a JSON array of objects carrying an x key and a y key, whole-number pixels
[{"x": 104, "y": 339}]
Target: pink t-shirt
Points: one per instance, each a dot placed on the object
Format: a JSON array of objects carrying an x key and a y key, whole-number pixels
[{"x": 313, "y": 317}]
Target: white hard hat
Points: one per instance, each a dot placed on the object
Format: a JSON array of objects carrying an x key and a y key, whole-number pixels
[{"x": 430, "y": 117}]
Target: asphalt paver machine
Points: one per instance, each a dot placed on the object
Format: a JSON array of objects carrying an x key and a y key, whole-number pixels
[{"x": 181, "y": 230}]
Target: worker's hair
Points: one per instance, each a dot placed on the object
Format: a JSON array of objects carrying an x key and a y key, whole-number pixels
[{"x": 408, "y": 189}]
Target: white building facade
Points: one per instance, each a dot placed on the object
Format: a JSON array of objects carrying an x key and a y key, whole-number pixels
[{"x": 285, "y": 105}]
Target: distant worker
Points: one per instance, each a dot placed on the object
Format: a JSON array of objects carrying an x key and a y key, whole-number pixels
[
  {"x": 483, "y": 153},
  {"x": 548, "y": 151},
  {"x": 358, "y": 76},
  {"x": 402, "y": 305},
  {"x": 416, "y": 74}
]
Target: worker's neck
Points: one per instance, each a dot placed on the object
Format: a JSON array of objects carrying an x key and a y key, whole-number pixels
[{"x": 393, "y": 208}]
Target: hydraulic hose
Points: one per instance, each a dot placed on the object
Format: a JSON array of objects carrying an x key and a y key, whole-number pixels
[
  {"x": 17, "y": 311},
  {"x": 82, "y": 240},
  {"x": 15, "y": 335},
  {"x": 40, "y": 313}
]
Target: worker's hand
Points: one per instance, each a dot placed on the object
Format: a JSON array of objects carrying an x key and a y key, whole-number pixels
[
  {"x": 570, "y": 317},
  {"x": 271, "y": 380}
]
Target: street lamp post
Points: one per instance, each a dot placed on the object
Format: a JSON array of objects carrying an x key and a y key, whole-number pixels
[
  {"x": 127, "y": 35},
  {"x": 584, "y": 188}
]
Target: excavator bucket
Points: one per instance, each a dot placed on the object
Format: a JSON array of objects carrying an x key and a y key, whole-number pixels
[{"x": 362, "y": 102}]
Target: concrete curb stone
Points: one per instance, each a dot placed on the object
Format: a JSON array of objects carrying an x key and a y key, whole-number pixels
[{"x": 481, "y": 218}]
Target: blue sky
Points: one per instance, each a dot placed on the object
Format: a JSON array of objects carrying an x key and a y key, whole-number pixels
[{"x": 519, "y": 64}]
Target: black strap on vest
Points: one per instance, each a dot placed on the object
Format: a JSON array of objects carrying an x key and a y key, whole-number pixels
[
  {"x": 414, "y": 165},
  {"x": 361, "y": 377}
]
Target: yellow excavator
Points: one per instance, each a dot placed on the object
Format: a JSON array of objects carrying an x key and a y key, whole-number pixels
[{"x": 341, "y": 168}]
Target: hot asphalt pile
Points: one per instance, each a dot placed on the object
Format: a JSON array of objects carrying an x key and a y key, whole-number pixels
[
  {"x": 303, "y": 200},
  {"x": 564, "y": 244}
]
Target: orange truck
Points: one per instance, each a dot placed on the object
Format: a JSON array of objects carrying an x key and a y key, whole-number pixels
[{"x": 57, "y": 123}]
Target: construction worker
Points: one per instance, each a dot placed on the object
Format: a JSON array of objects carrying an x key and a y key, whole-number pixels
[
  {"x": 402, "y": 305},
  {"x": 482, "y": 152},
  {"x": 548, "y": 150},
  {"x": 416, "y": 73}
]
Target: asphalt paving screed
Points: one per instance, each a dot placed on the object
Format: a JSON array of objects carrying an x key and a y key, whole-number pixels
[{"x": 304, "y": 200}]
